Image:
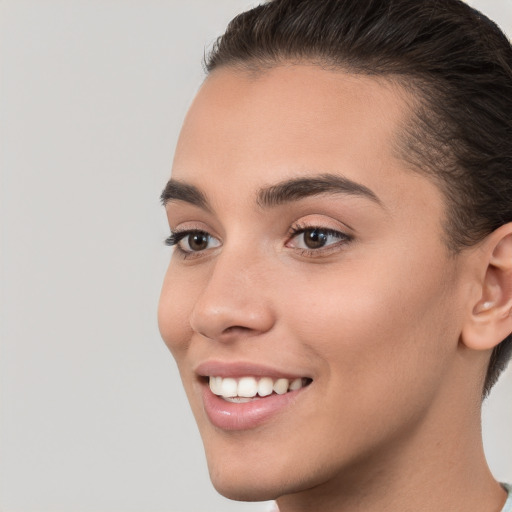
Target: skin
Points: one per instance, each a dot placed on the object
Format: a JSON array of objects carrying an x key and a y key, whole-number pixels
[{"x": 379, "y": 321}]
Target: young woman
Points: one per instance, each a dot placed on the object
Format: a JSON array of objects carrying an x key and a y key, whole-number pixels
[{"x": 339, "y": 297}]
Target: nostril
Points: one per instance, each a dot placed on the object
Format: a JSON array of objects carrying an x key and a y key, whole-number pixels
[{"x": 236, "y": 328}]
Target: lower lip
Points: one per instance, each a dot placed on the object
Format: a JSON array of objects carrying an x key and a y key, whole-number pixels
[{"x": 245, "y": 416}]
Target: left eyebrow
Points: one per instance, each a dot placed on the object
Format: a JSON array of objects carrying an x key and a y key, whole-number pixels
[
  {"x": 179, "y": 191},
  {"x": 300, "y": 188}
]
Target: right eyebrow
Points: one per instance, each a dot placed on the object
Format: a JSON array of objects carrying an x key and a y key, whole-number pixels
[{"x": 178, "y": 191}]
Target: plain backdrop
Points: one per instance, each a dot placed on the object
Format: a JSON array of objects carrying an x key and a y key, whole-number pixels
[{"x": 93, "y": 417}]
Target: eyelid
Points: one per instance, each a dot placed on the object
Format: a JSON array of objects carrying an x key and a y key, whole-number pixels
[
  {"x": 177, "y": 235},
  {"x": 340, "y": 232},
  {"x": 180, "y": 234},
  {"x": 297, "y": 230},
  {"x": 343, "y": 238},
  {"x": 183, "y": 228}
]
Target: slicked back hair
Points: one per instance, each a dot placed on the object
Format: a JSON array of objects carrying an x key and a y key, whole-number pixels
[{"x": 454, "y": 61}]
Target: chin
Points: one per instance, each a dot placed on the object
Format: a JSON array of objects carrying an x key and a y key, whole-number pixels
[
  {"x": 253, "y": 486},
  {"x": 242, "y": 479},
  {"x": 245, "y": 491},
  {"x": 248, "y": 477}
]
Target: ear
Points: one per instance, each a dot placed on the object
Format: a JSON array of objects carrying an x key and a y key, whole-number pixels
[{"x": 490, "y": 320}]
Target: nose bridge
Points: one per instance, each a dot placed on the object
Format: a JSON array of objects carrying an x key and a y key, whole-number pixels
[{"x": 235, "y": 297}]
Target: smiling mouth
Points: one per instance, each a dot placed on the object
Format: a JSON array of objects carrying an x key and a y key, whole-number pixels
[{"x": 246, "y": 389}]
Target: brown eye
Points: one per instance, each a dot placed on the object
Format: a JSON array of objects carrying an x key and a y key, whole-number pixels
[
  {"x": 315, "y": 238},
  {"x": 193, "y": 241},
  {"x": 198, "y": 241}
]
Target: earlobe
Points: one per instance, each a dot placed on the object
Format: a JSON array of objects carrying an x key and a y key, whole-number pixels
[{"x": 490, "y": 321}]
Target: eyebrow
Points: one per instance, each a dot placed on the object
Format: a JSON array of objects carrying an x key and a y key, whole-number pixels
[
  {"x": 300, "y": 188},
  {"x": 281, "y": 193},
  {"x": 178, "y": 191}
]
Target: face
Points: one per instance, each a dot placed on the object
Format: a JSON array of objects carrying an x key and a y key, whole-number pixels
[{"x": 309, "y": 281}]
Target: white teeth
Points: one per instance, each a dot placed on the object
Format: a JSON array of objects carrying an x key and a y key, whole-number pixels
[
  {"x": 296, "y": 384},
  {"x": 281, "y": 386},
  {"x": 247, "y": 387},
  {"x": 265, "y": 386},
  {"x": 216, "y": 385},
  {"x": 243, "y": 389},
  {"x": 229, "y": 387}
]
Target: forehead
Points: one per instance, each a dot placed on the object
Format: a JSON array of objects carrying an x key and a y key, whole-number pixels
[
  {"x": 250, "y": 130},
  {"x": 296, "y": 97}
]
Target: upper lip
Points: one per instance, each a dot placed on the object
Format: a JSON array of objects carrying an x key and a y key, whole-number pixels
[{"x": 234, "y": 369}]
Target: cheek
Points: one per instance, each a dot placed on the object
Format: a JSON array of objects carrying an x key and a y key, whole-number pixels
[
  {"x": 177, "y": 299},
  {"x": 375, "y": 328},
  {"x": 379, "y": 347}
]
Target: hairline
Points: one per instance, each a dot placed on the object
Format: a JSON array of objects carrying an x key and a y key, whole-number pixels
[{"x": 415, "y": 89}]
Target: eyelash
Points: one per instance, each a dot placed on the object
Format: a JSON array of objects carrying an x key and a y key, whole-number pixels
[
  {"x": 343, "y": 239},
  {"x": 177, "y": 236}
]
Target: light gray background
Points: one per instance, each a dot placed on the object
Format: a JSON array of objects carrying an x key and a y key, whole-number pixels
[{"x": 93, "y": 418}]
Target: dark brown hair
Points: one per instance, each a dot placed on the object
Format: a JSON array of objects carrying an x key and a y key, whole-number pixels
[{"x": 457, "y": 63}]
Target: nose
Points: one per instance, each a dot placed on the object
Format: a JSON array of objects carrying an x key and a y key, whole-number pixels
[{"x": 235, "y": 301}]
